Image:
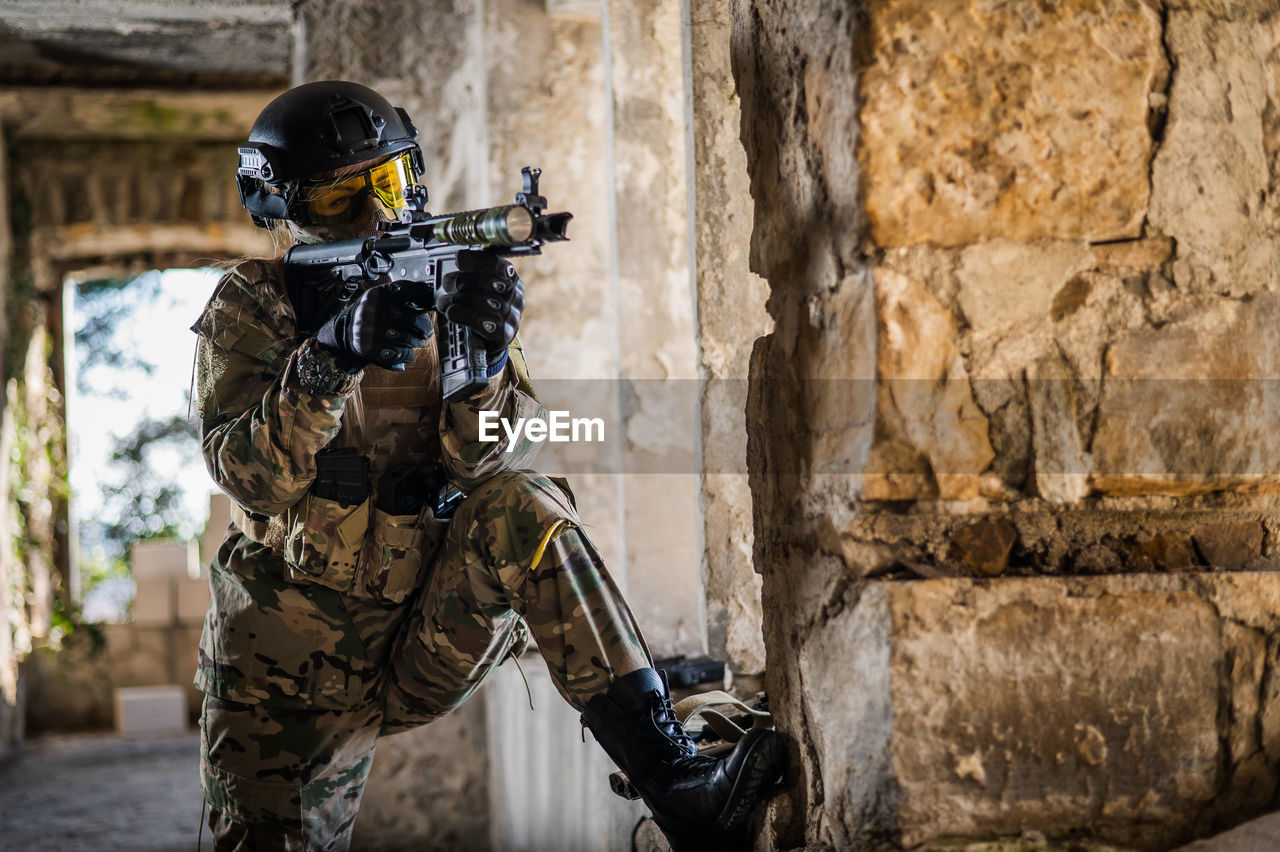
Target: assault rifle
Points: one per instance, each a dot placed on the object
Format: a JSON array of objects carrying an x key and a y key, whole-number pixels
[{"x": 425, "y": 248}]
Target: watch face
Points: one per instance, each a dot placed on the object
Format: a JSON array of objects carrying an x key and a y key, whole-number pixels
[{"x": 319, "y": 372}]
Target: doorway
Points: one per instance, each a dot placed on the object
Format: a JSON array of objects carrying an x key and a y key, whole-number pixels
[{"x": 135, "y": 468}]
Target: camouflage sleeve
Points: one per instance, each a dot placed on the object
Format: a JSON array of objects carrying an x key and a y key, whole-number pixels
[
  {"x": 470, "y": 457},
  {"x": 261, "y": 424}
]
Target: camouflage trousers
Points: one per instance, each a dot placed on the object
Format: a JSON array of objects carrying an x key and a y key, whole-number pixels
[{"x": 284, "y": 763}]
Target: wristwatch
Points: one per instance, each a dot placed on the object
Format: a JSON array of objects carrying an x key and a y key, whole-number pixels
[{"x": 319, "y": 372}]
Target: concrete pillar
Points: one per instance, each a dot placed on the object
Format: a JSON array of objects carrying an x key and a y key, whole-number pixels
[
  {"x": 1011, "y": 436},
  {"x": 546, "y": 107},
  {"x": 11, "y": 709},
  {"x": 601, "y": 96},
  {"x": 427, "y": 57},
  {"x": 731, "y": 317},
  {"x": 549, "y": 789},
  {"x": 657, "y": 334},
  {"x": 430, "y": 783}
]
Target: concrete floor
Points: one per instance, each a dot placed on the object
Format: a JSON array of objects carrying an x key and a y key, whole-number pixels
[
  {"x": 102, "y": 793},
  {"x": 107, "y": 793}
]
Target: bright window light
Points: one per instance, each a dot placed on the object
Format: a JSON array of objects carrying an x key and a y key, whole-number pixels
[{"x": 136, "y": 470}]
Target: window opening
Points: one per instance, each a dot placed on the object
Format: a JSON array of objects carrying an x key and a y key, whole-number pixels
[{"x": 135, "y": 468}]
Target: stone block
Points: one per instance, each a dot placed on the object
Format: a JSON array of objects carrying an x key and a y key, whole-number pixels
[
  {"x": 1167, "y": 551},
  {"x": 1229, "y": 544},
  {"x": 142, "y": 710},
  {"x": 1133, "y": 254},
  {"x": 216, "y": 527},
  {"x": 1214, "y": 178},
  {"x": 162, "y": 558},
  {"x": 1260, "y": 834},
  {"x": 1186, "y": 408},
  {"x": 155, "y": 601},
  {"x": 1131, "y": 709},
  {"x": 141, "y": 654},
  {"x": 1006, "y": 285},
  {"x": 192, "y": 599},
  {"x": 1013, "y": 120},
  {"x": 1061, "y": 462},
  {"x": 984, "y": 545},
  {"x": 931, "y": 437}
]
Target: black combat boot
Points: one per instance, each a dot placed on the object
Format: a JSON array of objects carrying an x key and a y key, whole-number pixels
[{"x": 699, "y": 802}]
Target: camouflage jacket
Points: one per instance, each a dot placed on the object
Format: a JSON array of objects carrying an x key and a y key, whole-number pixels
[{"x": 261, "y": 428}]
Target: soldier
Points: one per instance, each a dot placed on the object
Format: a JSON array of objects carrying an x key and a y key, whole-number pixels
[{"x": 342, "y": 609}]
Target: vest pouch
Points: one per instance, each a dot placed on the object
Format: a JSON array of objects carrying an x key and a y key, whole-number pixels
[
  {"x": 397, "y": 551},
  {"x": 324, "y": 542}
]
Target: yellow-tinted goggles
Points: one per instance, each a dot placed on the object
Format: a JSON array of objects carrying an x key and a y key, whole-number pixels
[{"x": 337, "y": 201}]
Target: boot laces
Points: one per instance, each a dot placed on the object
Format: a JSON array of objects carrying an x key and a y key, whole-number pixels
[{"x": 664, "y": 716}]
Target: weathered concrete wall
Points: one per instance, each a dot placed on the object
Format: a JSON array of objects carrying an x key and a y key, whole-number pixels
[
  {"x": 32, "y": 492},
  {"x": 241, "y": 44},
  {"x": 612, "y": 315},
  {"x": 656, "y": 326},
  {"x": 1021, "y": 260},
  {"x": 429, "y": 62},
  {"x": 137, "y": 180},
  {"x": 423, "y": 56},
  {"x": 550, "y": 789},
  {"x": 545, "y": 108},
  {"x": 731, "y": 315}
]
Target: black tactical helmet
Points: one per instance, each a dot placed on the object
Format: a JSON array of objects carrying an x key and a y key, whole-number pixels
[{"x": 312, "y": 129}]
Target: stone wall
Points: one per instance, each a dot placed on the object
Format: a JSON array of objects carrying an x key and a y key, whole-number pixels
[
  {"x": 71, "y": 685},
  {"x": 1021, "y": 262},
  {"x": 72, "y": 688},
  {"x": 429, "y": 788}
]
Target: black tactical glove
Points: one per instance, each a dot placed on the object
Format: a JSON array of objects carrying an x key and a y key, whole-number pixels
[
  {"x": 381, "y": 326},
  {"x": 486, "y": 296}
]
